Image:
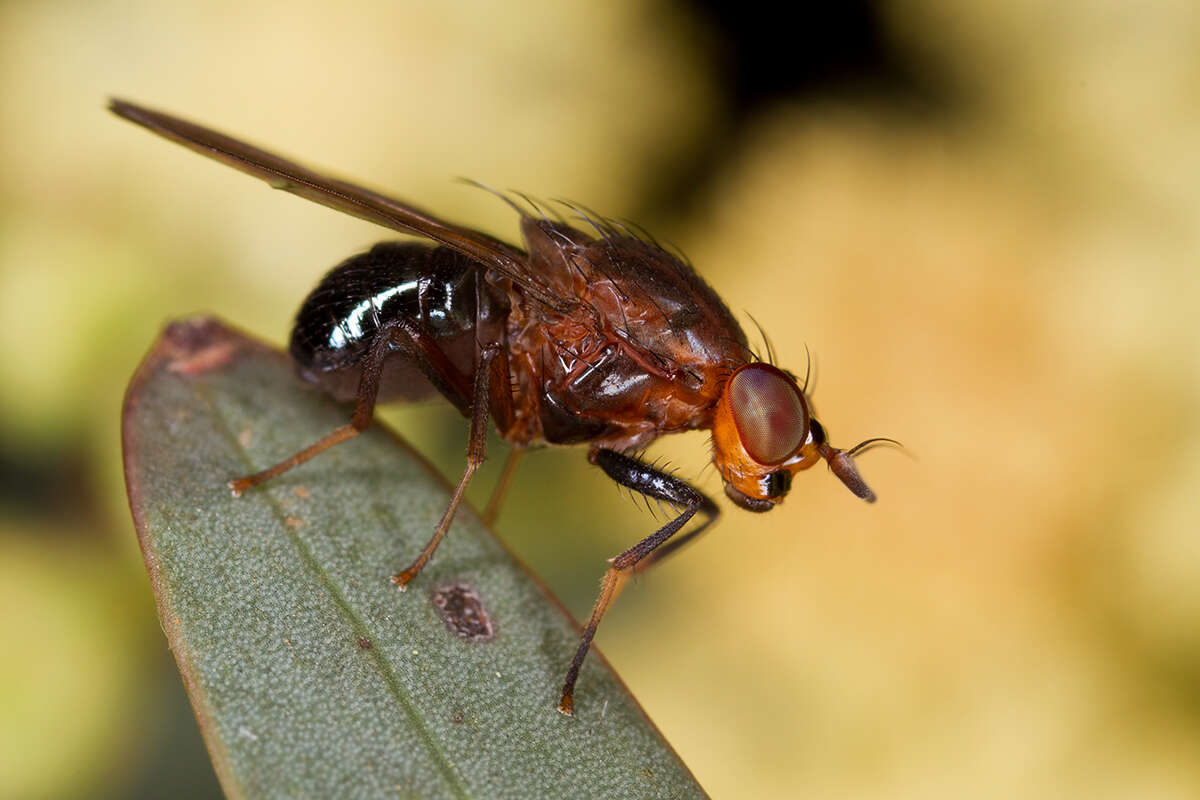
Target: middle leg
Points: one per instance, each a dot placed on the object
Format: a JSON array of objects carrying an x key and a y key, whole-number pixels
[
  {"x": 486, "y": 376},
  {"x": 652, "y": 482}
]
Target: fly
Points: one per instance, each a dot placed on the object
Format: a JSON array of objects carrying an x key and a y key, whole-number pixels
[{"x": 596, "y": 336}]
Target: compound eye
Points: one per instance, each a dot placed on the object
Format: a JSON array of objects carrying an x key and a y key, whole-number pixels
[{"x": 771, "y": 419}]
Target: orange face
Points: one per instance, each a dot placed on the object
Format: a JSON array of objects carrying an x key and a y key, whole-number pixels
[
  {"x": 760, "y": 428},
  {"x": 764, "y": 433}
]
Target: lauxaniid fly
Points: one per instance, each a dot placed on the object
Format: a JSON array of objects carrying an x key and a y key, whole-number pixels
[{"x": 596, "y": 336}]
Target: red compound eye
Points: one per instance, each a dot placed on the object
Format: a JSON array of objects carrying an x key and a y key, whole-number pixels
[{"x": 771, "y": 417}]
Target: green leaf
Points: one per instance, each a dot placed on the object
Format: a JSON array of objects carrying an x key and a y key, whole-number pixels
[{"x": 310, "y": 673}]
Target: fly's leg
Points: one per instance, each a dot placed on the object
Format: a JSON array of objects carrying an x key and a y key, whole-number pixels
[
  {"x": 501, "y": 395},
  {"x": 652, "y": 482},
  {"x": 486, "y": 377},
  {"x": 400, "y": 334}
]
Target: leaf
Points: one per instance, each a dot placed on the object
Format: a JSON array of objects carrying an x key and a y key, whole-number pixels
[{"x": 310, "y": 673}]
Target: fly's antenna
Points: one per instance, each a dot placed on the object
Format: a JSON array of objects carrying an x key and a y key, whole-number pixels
[
  {"x": 808, "y": 362},
  {"x": 866, "y": 445},
  {"x": 841, "y": 463}
]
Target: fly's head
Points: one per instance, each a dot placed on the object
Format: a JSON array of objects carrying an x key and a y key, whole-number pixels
[{"x": 764, "y": 433}]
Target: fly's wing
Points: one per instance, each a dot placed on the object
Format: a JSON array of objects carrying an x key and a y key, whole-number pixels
[{"x": 355, "y": 200}]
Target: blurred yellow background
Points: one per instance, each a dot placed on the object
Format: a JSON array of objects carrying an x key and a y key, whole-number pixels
[{"x": 1006, "y": 280}]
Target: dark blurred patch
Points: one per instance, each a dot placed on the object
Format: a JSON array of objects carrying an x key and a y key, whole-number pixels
[
  {"x": 819, "y": 50},
  {"x": 47, "y": 485},
  {"x": 765, "y": 55}
]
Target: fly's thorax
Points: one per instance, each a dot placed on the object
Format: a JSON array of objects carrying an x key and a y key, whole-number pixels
[{"x": 552, "y": 247}]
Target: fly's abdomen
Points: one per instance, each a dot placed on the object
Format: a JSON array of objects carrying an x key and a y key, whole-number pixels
[{"x": 434, "y": 287}]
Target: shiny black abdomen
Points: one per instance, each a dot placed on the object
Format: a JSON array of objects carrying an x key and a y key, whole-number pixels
[{"x": 435, "y": 287}]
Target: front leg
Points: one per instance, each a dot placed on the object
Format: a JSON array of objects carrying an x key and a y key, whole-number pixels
[{"x": 651, "y": 482}]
